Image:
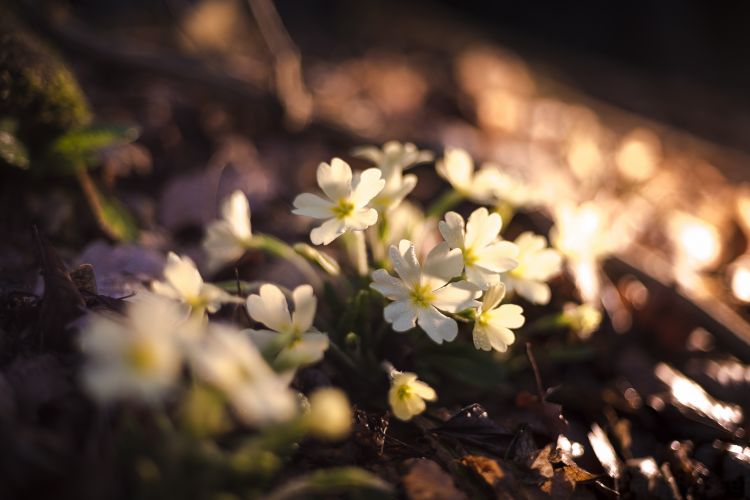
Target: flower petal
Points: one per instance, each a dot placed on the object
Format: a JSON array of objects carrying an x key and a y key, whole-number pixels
[
  {"x": 481, "y": 277},
  {"x": 367, "y": 187},
  {"x": 482, "y": 228},
  {"x": 361, "y": 219},
  {"x": 335, "y": 179},
  {"x": 456, "y": 297},
  {"x": 443, "y": 263},
  {"x": 452, "y": 229},
  {"x": 402, "y": 315},
  {"x": 393, "y": 288},
  {"x": 327, "y": 232},
  {"x": 493, "y": 297},
  {"x": 181, "y": 273},
  {"x": 304, "y": 308},
  {"x": 436, "y": 325},
  {"x": 404, "y": 259},
  {"x": 270, "y": 308},
  {"x": 236, "y": 212},
  {"x": 533, "y": 291},
  {"x": 312, "y": 205}
]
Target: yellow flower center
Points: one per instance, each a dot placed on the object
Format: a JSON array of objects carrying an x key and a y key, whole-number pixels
[
  {"x": 142, "y": 357},
  {"x": 483, "y": 319},
  {"x": 343, "y": 209},
  {"x": 421, "y": 296},
  {"x": 404, "y": 392},
  {"x": 470, "y": 258}
]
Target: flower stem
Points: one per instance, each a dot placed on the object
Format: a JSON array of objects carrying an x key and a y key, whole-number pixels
[
  {"x": 356, "y": 248},
  {"x": 278, "y": 248},
  {"x": 444, "y": 203}
]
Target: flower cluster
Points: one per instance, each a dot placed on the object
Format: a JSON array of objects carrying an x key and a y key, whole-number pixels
[{"x": 437, "y": 269}]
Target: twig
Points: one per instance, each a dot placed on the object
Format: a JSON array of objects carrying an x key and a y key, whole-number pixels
[
  {"x": 291, "y": 89},
  {"x": 537, "y": 374}
]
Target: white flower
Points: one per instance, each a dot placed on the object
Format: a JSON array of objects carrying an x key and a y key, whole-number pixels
[
  {"x": 347, "y": 205},
  {"x": 136, "y": 355},
  {"x": 228, "y": 238},
  {"x": 184, "y": 283},
  {"x": 537, "y": 264},
  {"x": 484, "y": 256},
  {"x": 407, "y": 395},
  {"x": 493, "y": 322},
  {"x": 421, "y": 292},
  {"x": 291, "y": 336},
  {"x": 392, "y": 160},
  {"x": 457, "y": 168},
  {"x": 228, "y": 360},
  {"x": 330, "y": 415},
  {"x": 584, "y": 232},
  {"x": 511, "y": 189}
]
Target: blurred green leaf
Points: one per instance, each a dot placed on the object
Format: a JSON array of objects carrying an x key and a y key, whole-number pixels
[
  {"x": 463, "y": 363},
  {"x": 12, "y": 152},
  {"x": 344, "y": 482},
  {"x": 114, "y": 219},
  {"x": 80, "y": 148}
]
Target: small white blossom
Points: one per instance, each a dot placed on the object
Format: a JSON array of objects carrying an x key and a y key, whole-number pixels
[
  {"x": 346, "y": 208},
  {"x": 484, "y": 256},
  {"x": 584, "y": 319},
  {"x": 136, "y": 355},
  {"x": 537, "y": 264},
  {"x": 493, "y": 322},
  {"x": 421, "y": 292},
  {"x": 228, "y": 360},
  {"x": 184, "y": 283},
  {"x": 392, "y": 160},
  {"x": 293, "y": 336},
  {"x": 511, "y": 189},
  {"x": 227, "y": 239},
  {"x": 407, "y": 395},
  {"x": 457, "y": 168}
]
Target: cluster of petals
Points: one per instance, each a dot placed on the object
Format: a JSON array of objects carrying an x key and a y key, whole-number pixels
[{"x": 228, "y": 238}]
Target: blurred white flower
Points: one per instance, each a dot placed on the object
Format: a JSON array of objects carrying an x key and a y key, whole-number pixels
[
  {"x": 484, "y": 256},
  {"x": 228, "y": 360},
  {"x": 421, "y": 292},
  {"x": 346, "y": 208},
  {"x": 537, "y": 264},
  {"x": 457, "y": 168},
  {"x": 330, "y": 415},
  {"x": 184, "y": 283},
  {"x": 493, "y": 322},
  {"x": 583, "y": 232},
  {"x": 394, "y": 154},
  {"x": 392, "y": 160},
  {"x": 291, "y": 336},
  {"x": 227, "y": 239},
  {"x": 407, "y": 395},
  {"x": 136, "y": 355},
  {"x": 510, "y": 189},
  {"x": 583, "y": 319},
  {"x": 405, "y": 222}
]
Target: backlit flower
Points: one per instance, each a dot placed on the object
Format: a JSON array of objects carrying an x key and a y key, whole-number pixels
[
  {"x": 493, "y": 322},
  {"x": 484, "y": 256},
  {"x": 228, "y": 238},
  {"x": 537, "y": 264},
  {"x": 228, "y": 360},
  {"x": 392, "y": 160},
  {"x": 421, "y": 291},
  {"x": 291, "y": 336},
  {"x": 346, "y": 208},
  {"x": 457, "y": 168},
  {"x": 136, "y": 355},
  {"x": 407, "y": 395},
  {"x": 330, "y": 415},
  {"x": 184, "y": 283}
]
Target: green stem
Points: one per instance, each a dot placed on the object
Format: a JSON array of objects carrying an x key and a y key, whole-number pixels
[{"x": 447, "y": 201}]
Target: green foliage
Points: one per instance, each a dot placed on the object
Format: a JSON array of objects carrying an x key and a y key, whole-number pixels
[
  {"x": 37, "y": 88},
  {"x": 79, "y": 148},
  {"x": 112, "y": 216}
]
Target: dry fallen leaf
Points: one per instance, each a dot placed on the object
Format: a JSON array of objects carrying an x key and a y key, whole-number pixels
[{"x": 426, "y": 480}]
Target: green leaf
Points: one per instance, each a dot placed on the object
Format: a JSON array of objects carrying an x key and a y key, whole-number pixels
[
  {"x": 12, "y": 152},
  {"x": 344, "y": 482},
  {"x": 80, "y": 148},
  {"x": 465, "y": 364},
  {"x": 114, "y": 219}
]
